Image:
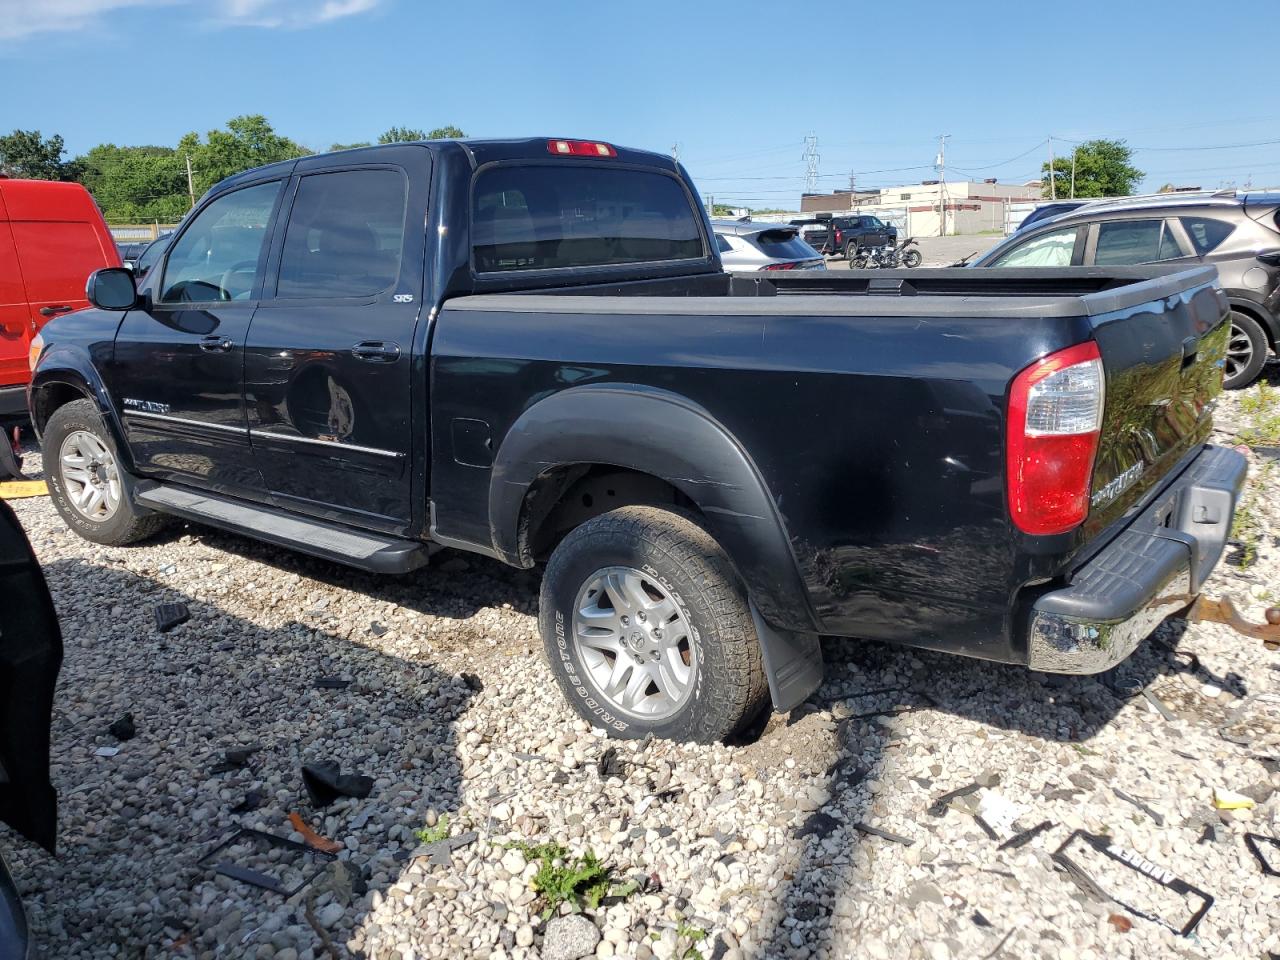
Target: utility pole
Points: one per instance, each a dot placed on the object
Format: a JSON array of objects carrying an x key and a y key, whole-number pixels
[
  {"x": 811, "y": 159},
  {"x": 1074, "y": 151},
  {"x": 940, "y": 161},
  {"x": 1053, "y": 177},
  {"x": 675, "y": 152},
  {"x": 191, "y": 187}
]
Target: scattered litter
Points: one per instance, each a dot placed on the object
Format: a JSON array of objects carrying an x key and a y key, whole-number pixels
[
  {"x": 252, "y": 801},
  {"x": 22, "y": 489},
  {"x": 124, "y": 728},
  {"x": 170, "y": 615},
  {"x": 439, "y": 852},
  {"x": 332, "y": 683},
  {"x": 818, "y": 824},
  {"x": 883, "y": 834},
  {"x": 1122, "y": 923},
  {"x": 1208, "y": 835},
  {"x": 1136, "y": 862},
  {"x": 979, "y": 920},
  {"x": 106, "y": 751},
  {"x": 325, "y": 783},
  {"x": 609, "y": 765},
  {"x": 1021, "y": 839},
  {"x": 255, "y": 878},
  {"x": 311, "y": 838},
  {"x": 1251, "y": 841},
  {"x": 939, "y": 806},
  {"x": 1153, "y": 814},
  {"x": 472, "y": 681},
  {"x": 377, "y": 629},
  {"x": 998, "y": 812},
  {"x": 1230, "y": 800},
  {"x": 235, "y": 759},
  {"x": 1159, "y": 704}
]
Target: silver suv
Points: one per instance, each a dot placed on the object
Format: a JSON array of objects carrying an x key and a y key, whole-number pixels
[
  {"x": 1237, "y": 232},
  {"x": 764, "y": 246}
]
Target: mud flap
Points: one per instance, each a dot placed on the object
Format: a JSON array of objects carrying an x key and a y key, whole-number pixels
[
  {"x": 792, "y": 662},
  {"x": 10, "y": 460}
]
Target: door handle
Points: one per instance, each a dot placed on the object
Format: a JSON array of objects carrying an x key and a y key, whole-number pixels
[
  {"x": 1190, "y": 347},
  {"x": 376, "y": 351},
  {"x": 54, "y": 311},
  {"x": 216, "y": 344}
]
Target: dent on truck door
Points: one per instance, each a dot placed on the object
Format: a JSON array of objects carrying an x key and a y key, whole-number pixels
[
  {"x": 177, "y": 372},
  {"x": 329, "y": 359}
]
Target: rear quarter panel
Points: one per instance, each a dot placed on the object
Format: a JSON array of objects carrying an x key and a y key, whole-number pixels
[{"x": 880, "y": 439}]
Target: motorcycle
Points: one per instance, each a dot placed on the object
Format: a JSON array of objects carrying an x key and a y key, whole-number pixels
[{"x": 905, "y": 254}]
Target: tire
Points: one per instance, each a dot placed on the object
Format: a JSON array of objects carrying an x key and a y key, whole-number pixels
[
  {"x": 851, "y": 250},
  {"x": 707, "y": 658},
  {"x": 74, "y": 433},
  {"x": 1246, "y": 352},
  {"x": 912, "y": 259}
]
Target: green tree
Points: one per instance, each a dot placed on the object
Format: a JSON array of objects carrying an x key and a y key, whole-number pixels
[
  {"x": 402, "y": 135},
  {"x": 26, "y": 154},
  {"x": 136, "y": 184},
  {"x": 348, "y": 146},
  {"x": 410, "y": 134},
  {"x": 1102, "y": 169},
  {"x": 722, "y": 210},
  {"x": 248, "y": 141}
]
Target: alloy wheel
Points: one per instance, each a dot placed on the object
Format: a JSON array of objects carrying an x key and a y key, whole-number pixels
[
  {"x": 1239, "y": 351},
  {"x": 89, "y": 476}
]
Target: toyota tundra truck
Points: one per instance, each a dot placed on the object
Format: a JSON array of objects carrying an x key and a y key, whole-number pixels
[{"x": 527, "y": 349}]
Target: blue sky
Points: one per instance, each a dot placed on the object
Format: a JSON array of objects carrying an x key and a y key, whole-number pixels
[{"x": 736, "y": 85}]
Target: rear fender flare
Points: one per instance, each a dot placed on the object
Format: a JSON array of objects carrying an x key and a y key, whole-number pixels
[
  {"x": 1270, "y": 325},
  {"x": 660, "y": 433}
]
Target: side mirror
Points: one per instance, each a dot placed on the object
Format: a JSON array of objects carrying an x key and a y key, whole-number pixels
[{"x": 111, "y": 288}]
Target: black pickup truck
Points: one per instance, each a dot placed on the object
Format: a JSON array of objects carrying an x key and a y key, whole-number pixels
[
  {"x": 845, "y": 236},
  {"x": 527, "y": 349}
]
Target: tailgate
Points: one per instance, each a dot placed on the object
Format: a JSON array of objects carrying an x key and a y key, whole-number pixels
[
  {"x": 30, "y": 656},
  {"x": 1164, "y": 364}
]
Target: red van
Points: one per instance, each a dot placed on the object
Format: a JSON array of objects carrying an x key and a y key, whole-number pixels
[{"x": 52, "y": 236}]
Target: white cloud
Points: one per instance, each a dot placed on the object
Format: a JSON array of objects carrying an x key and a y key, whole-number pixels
[
  {"x": 288, "y": 13},
  {"x": 23, "y": 18}
]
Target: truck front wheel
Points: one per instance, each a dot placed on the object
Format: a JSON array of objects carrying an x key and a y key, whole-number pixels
[
  {"x": 85, "y": 478},
  {"x": 648, "y": 630}
]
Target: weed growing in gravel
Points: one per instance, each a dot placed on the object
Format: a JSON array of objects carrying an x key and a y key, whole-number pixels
[
  {"x": 1262, "y": 406},
  {"x": 578, "y": 881},
  {"x": 1248, "y": 527},
  {"x": 434, "y": 834},
  {"x": 693, "y": 936}
]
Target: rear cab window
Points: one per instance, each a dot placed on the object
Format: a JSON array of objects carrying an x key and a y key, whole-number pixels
[{"x": 546, "y": 217}]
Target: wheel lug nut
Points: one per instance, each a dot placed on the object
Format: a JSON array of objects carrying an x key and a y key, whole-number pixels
[
  {"x": 654, "y": 656},
  {"x": 642, "y": 616},
  {"x": 626, "y": 621},
  {"x": 657, "y": 633}
]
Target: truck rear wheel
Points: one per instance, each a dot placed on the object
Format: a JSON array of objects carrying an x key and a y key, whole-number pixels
[
  {"x": 648, "y": 630},
  {"x": 86, "y": 481}
]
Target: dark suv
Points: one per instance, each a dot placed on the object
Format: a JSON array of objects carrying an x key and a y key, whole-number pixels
[
  {"x": 836, "y": 236},
  {"x": 1237, "y": 232}
]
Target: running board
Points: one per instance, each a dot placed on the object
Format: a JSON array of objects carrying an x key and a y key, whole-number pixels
[{"x": 375, "y": 552}]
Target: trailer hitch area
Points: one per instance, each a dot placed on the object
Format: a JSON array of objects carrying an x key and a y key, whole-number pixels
[{"x": 1208, "y": 610}]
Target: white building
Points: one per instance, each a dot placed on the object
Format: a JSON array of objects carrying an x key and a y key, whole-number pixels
[{"x": 931, "y": 208}]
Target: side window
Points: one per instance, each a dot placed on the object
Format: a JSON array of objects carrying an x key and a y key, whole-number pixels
[
  {"x": 723, "y": 244},
  {"x": 216, "y": 258},
  {"x": 1051, "y": 249},
  {"x": 1206, "y": 233},
  {"x": 344, "y": 236},
  {"x": 1170, "y": 247},
  {"x": 1131, "y": 241}
]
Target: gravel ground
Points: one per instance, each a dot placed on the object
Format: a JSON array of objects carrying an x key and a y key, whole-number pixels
[{"x": 746, "y": 850}]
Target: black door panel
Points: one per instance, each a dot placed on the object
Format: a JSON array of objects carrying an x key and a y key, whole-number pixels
[{"x": 327, "y": 366}]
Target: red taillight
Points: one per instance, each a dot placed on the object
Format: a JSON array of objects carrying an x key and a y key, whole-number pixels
[
  {"x": 1055, "y": 417},
  {"x": 839, "y": 238},
  {"x": 580, "y": 148},
  {"x": 789, "y": 265}
]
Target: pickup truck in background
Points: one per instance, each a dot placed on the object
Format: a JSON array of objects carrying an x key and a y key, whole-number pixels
[
  {"x": 845, "y": 236},
  {"x": 527, "y": 349}
]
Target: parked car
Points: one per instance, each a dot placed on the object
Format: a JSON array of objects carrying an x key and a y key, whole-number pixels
[
  {"x": 52, "y": 237},
  {"x": 1237, "y": 232},
  {"x": 129, "y": 252},
  {"x": 764, "y": 246},
  {"x": 844, "y": 236},
  {"x": 30, "y": 657},
  {"x": 528, "y": 349},
  {"x": 1052, "y": 209},
  {"x": 149, "y": 254}
]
